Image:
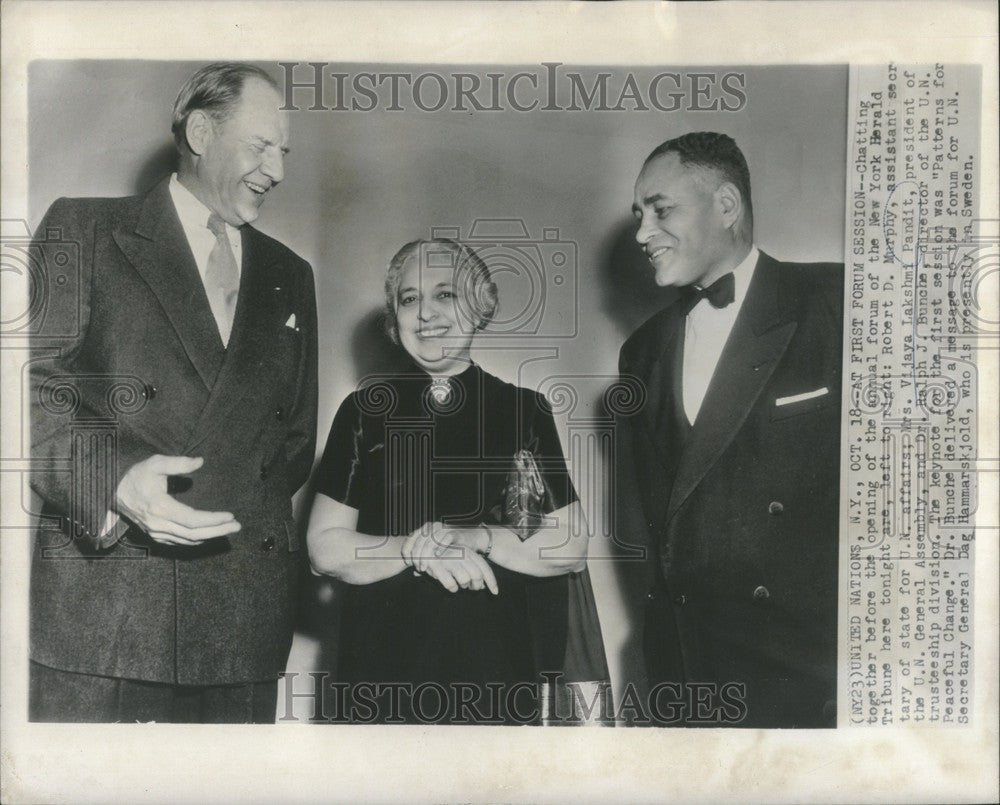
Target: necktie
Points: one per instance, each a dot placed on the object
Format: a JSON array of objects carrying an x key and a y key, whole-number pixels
[
  {"x": 719, "y": 294},
  {"x": 222, "y": 279}
]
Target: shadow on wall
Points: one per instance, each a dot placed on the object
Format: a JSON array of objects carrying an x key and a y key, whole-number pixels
[
  {"x": 629, "y": 294},
  {"x": 372, "y": 351},
  {"x": 631, "y": 555},
  {"x": 162, "y": 162}
]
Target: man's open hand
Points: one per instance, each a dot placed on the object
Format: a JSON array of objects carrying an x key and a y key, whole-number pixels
[{"x": 142, "y": 497}]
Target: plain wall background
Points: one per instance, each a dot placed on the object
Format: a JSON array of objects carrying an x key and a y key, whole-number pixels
[{"x": 359, "y": 185}]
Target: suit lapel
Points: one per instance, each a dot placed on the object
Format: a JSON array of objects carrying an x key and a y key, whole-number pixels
[
  {"x": 758, "y": 339},
  {"x": 254, "y": 328},
  {"x": 159, "y": 251},
  {"x": 662, "y": 408},
  {"x": 653, "y": 369}
]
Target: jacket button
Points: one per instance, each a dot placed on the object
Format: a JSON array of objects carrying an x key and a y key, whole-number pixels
[
  {"x": 279, "y": 414},
  {"x": 267, "y": 544},
  {"x": 680, "y": 600},
  {"x": 775, "y": 507},
  {"x": 149, "y": 391},
  {"x": 761, "y": 593},
  {"x": 263, "y": 472}
]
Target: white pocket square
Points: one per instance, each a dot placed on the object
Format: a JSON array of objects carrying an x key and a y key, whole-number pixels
[
  {"x": 806, "y": 395},
  {"x": 291, "y": 322}
]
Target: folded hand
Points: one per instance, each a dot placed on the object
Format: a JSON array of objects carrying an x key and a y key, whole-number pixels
[{"x": 443, "y": 554}]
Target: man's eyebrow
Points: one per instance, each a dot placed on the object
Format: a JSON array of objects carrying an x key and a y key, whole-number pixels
[
  {"x": 264, "y": 141},
  {"x": 649, "y": 200}
]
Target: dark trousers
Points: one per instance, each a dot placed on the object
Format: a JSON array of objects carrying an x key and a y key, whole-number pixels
[{"x": 63, "y": 696}]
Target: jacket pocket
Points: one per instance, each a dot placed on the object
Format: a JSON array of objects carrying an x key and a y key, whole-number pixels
[{"x": 805, "y": 402}]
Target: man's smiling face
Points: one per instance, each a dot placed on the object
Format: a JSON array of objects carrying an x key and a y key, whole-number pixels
[
  {"x": 244, "y": 156},
  {"x": 682, "y": 228}
]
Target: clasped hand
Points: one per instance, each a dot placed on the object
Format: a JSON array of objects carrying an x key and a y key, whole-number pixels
[{"x": 449, "y": 555}]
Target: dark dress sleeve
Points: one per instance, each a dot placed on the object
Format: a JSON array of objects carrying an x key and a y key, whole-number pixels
[
  {"x": 340, "y": 474},
  {"x": 543, "y": 442}
]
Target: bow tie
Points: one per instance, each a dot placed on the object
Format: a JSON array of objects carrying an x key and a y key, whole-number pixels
[{"x": 719, "y": 294}]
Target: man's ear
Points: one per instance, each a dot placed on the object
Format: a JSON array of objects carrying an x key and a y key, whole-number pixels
[
  {"x": 199, "y": 131},
  {"x": 730, "y": 202}
]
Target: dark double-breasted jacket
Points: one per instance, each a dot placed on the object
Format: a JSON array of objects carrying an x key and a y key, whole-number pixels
[{"x": 128, "y": 363}]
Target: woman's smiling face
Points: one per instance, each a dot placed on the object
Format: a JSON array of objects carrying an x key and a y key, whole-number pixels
[{"x": 434, "y": 326}]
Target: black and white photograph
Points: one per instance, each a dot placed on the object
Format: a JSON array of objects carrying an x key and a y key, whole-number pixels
[{"x": 398, "y": 405}]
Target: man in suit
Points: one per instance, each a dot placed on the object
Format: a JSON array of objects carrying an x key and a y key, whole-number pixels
[
  {"x": 170, "y": 430},
  {"x": 731, "y": 467}
]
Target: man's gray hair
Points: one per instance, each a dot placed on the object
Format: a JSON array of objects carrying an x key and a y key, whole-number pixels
[{"x": 215, "y": 89}]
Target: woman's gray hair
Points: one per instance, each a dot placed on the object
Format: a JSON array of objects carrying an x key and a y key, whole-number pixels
[{"x": 476, "y": 293}]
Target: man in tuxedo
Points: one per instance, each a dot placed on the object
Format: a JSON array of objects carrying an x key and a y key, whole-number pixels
[
  {"x": 173, "y": 417},
  {"x": 731, "y": 467}
]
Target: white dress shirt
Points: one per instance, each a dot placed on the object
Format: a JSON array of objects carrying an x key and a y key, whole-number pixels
[
  {"x": 194, "y": 221},
  {"x": 706, "y": 331}
]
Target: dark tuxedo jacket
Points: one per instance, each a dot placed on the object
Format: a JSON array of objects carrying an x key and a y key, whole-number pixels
[
  {"x": 130, "y": 364},
  {"x": 744, "y": 519}
]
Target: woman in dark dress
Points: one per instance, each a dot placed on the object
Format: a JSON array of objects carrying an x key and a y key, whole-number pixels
[{"x": 451, "y": 610}]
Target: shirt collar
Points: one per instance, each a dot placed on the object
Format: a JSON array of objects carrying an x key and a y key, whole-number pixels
[
  {"x": 192, "y": 213},
  {"x": 743, "y": 273}
]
